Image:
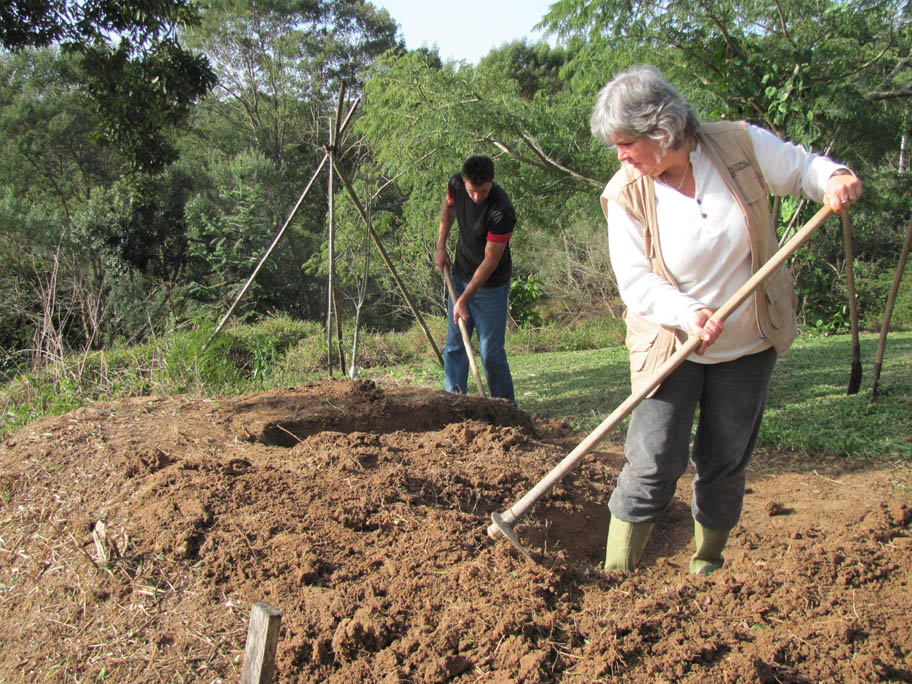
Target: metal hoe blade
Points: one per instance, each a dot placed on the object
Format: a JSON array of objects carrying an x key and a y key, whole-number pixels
[{"x": 507, "y": 530}]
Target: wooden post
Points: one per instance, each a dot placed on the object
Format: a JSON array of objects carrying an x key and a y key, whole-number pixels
[
  {"x": 262, "y": 639},
  {"x": 888, "y": 313},
  {"x": 466, "y": 341}
]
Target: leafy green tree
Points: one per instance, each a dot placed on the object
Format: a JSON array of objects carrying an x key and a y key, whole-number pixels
[
  {"x": 834, "y": 76},
  {"x": 25, "y": 237},
  {"x": 535, "y": 67},
  {"x": 139, "y": 223},
  {"x": 806, "y": 70},
  {"x": 231, "y": 222},
  {"x": 49, "y": 167},
  {"x": 422, "y": 119},
  {"x": 142, "y": 82},
  {"x": 47, "y": 132}
]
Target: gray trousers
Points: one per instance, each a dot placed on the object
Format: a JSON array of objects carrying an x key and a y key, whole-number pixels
[{"x": 731, "y": 397}]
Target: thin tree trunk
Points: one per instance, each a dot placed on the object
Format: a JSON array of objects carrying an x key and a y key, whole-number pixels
[
  {"x": 904, "y": 140},
  {"x": 362, "y": 293}
]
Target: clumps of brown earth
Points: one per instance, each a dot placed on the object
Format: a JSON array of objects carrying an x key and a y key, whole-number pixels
[{"x": 136, "y": 535}]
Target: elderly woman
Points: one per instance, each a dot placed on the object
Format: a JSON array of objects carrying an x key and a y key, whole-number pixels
[{"x": 688, "y": 223}]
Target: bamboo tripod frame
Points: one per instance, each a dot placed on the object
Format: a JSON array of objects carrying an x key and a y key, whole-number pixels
[{"x": 331, "y": 157}]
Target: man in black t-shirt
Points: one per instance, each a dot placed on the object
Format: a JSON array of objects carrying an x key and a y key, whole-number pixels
[{"x": 481, "y": 274}]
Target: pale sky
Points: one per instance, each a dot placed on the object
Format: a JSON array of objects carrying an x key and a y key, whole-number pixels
[{"x": 465, "y": 29}]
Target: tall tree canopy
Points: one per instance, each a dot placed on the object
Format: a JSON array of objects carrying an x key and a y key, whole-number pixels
[
  {"x": 280, "y": 63},
  {"x": 140, "y": 78},
  {"x": 806, "y": 69}
]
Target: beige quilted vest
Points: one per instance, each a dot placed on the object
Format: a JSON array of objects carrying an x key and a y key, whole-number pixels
[{"x": 728, "y": 146}]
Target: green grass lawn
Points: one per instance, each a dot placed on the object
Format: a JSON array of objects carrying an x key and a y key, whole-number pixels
[{"x": 808, "y": 410}]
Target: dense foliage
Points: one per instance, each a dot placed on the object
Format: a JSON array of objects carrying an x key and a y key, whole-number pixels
[
  {"x": 139, "y": 78},
  {"x": 151, "y": 152}
]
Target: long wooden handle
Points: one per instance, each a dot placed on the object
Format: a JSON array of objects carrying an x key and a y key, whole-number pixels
[
  {"x": 888, "y": 312},
  {"x": 466, "y": 340},
  {"x": 519, "y": 509}
]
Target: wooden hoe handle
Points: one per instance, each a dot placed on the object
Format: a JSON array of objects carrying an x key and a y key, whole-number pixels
[{"x": 520, "y": 508}]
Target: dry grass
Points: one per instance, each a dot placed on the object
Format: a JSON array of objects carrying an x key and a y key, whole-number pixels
[{"x": 79, "y": 584}]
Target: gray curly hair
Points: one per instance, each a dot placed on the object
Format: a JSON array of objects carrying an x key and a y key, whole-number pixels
[{"x": 639, "y": 102}]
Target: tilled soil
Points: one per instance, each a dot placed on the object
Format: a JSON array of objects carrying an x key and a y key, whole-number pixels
[{"x": 135, "y": 537}]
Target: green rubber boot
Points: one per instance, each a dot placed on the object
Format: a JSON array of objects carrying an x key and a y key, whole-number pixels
[
  {"x": 625, "y": 545},
  {"x": 710, "y": 543}
]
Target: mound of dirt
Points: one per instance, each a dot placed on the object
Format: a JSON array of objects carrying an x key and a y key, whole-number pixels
[{"x": 136, "y": 535}]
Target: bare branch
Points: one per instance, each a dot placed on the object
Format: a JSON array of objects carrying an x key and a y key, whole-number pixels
[
  {"x": 890, "y": 94},
  {"x": 879, "y": 93},
  {"x": 544, "y": 161},
  {"x": 785, "y": 31}
]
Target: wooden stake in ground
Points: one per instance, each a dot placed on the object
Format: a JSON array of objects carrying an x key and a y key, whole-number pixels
[
  {"x": 855, "y": 376},
  {"x": 262, "y": 640},
  {"x": 891, "y": 300}
]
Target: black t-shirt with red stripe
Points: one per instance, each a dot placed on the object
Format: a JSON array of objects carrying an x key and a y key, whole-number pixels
[{"x": 492, "y": 220}]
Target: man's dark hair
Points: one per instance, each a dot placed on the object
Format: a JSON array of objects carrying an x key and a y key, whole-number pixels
[{"x": 478, "y": 170}]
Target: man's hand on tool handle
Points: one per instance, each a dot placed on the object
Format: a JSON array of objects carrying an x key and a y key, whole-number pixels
[
  {"x": 460, "y": 310},
  {"x": 701, "y": 325},
  {"x": 441, "y": 258}
]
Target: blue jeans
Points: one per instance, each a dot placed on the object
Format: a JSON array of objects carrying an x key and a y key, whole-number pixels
[{"x": 487, "y": 315}]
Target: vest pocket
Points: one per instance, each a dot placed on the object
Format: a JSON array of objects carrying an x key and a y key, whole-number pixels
[
  {"x": 640, "y": 339},
  {"x": 776, "y": 310},
  {"x": 649, "y": 345},
  {"x": 752, "y": 187},
  {"x": 781, "y": 300}
]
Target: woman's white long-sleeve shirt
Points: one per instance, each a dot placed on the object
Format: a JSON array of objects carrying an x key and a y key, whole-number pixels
[{"x": 705, "y": 244}]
